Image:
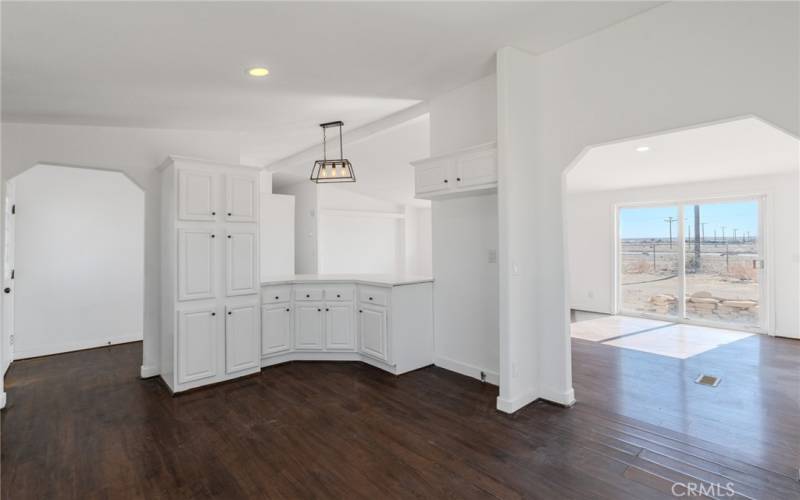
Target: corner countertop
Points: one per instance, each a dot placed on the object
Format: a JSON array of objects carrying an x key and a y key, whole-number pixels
[{"x": 364, "y": 279}]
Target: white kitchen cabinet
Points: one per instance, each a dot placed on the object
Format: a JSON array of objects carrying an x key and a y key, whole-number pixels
[
  {"x": 241, "y": 261},
  {"x": 309, "y": 320},
  {"x": 339, "y": 326},
  {"x": 197, "y": 333},
  {"x": 209, "y": 265},
  {"x": 470, "y": 171},
  {"x": 478, "y": 168},
  {"x": 241, "y": 193},
  {"x": 196, "y": 195},
  {"x": 276, "y": 328},
  {"x": 196, "y": 263},
  {"x": 242, "y": 338},
  {"x": 434, "y": 176},
  {"x": 372, "y": 331}
]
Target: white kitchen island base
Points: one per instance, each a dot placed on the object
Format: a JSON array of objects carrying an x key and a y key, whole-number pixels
[{"x": 384, "y": 321}]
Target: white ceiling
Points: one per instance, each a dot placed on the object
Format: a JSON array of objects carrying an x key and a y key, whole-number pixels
[
  {"x": 742, "y": 148},
  {"x": 181, "y": 64}
]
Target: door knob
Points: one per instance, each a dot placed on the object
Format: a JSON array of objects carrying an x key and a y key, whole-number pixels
[{"x": 7, "y": 290}]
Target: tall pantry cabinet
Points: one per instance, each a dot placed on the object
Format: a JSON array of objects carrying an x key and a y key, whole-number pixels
[{"x": 210, "y": 281}]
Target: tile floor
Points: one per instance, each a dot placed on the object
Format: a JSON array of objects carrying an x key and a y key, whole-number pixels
[{"x": 656, "y": 337}]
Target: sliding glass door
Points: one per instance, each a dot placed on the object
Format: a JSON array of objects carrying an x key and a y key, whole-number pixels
[
  {"x": 723, "y": 262},
  {"x": 695, "y": 262}
]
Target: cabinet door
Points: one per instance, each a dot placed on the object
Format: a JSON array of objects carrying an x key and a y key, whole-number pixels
[
  {"x": 477, "y": 169},
  {"x": 309, "y": 325},
  {"x": 242, "y": 198},
  {"x": 434, "y": 176},
  {"x": 196, "y": 263},
  {"x": 241, "y": 338},
  {"x": 196, "y": 194},
  {"x": 372, "y": 329},
  {"x": 276, "y": 328},
  {"x": 339, "y": 326},
  {"x": 241, "y": 262},
  {"x": 196, "y": 344}
]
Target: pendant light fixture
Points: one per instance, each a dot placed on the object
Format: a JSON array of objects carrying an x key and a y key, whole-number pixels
[{"x": 331, "y": 171}]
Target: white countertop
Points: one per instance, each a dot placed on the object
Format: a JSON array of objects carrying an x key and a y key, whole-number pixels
[{"x": 364, "y": 279}]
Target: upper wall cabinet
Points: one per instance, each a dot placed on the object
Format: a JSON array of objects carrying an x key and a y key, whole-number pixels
[
  {"x": 196, "y": 193},
  {"x": 469, "y": 171},
  {"x": 241, "y": 198}
]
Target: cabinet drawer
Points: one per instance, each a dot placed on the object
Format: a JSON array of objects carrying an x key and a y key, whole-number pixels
[
  {"x": 275, "y": 294},
  {"x": 339, "y": 293},
  {"x": 372, "y": 295},
  {"x": 307, "y": 294}
]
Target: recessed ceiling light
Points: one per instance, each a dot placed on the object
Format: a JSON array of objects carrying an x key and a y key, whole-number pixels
[
  {"x": 258, "y": 72},
  {"x": 643, "y": 149}
]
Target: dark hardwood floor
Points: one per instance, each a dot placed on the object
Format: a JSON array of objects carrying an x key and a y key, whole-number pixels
[{"x": 83, "y": 425}]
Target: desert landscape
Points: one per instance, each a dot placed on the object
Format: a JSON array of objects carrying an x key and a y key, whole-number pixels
[{"x": 722, "y": 285}]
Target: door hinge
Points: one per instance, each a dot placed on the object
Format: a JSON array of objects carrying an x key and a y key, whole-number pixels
[
  {"x": 11, "y": 339},
  {"x": 13, "y": 209},
  {"x": 13, "y": 271}
]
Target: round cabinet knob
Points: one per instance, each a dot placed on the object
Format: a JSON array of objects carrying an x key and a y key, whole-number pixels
[
  {"x": 338, "y": 296},
  {"x": 458, "y": 179},
  {"x": 360, "y": 311},
  {"x": 213, "y": 314},
  {"x": 213, "y": 235},
  {"x": 277, "y": 298},
  {"x": 229, "y": 214},
  {"x": 445, "y": 181},
  {"x": 319, "y": 310},
  {"x": 287, "y": 309},
  {"x": 370, "y": 298},
  {"x": 229, "y": 313},
  {"x": 6, "y": 290},
  {"x": 213, "y": 213},
  {"x": 326, "y": 309},
  {"x": 229, "y": 236},
  {"x": 307, "y": 295}
]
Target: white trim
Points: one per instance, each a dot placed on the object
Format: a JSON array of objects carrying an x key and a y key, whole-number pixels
[
  {"x": 512, "y": 405},
  {"x": 563, "y": 398},
  {"x": 74, "y": 346},
  {"x": 2, "y": 400},
  {"x": 467, "y": 369},
  {"x": 147, "y": 371}
]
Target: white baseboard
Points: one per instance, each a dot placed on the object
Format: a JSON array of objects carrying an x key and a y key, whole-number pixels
[
  {"x": 2, "y": 400},
  {"x": 466, "y": 369},
  {"x": 514, "y": 404},
  {"x": 46, "y": 350},
  {"x": 563, "y": 398},
  {"x": 147, "y": 371}
]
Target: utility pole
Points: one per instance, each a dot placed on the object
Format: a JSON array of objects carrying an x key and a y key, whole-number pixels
[
  {"x": 696, "y": 237},
  {"x": 723, "y": 234},
  {"x": 670, "y": 220},
  {"x": 715, "y": 236},
  {"x": 734, "y": 234},
  {"x": 703, "y": 231}
]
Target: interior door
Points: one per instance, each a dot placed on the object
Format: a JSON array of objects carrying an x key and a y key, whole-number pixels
[
  {"x": 241, "y": 261},
  {"x": 196, "y": 263},
  {"x": 724, "y": 263},
  {"x": 197, "y": 344},
  {"x": 241, "y": 196},
  {"x": 196, "y": 191},
  {"x": 241, "y": 338},
  {"x": 372, "y": 331},
  {"x": 8, "y": 274},
  {"x": 339, "y": 327},
  {"x": 276, "y": 328},
  {"x": 309, "y": 325}
]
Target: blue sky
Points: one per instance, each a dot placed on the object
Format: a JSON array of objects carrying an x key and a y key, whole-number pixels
[{"x": 649, "y": 222}]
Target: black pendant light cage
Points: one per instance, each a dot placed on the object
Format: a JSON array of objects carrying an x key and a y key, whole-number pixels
[{"x": 332, "y": 171}]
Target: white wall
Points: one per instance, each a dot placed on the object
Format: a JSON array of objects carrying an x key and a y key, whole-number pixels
[
  {"x": 674, "y": 66},
  {"x": 79, "y": 272},
  {"x": 465, "y": 288},
  {"x": 465, "y": 231},
  {"x": 418, "y": 241},
  {"x": 277, "y": 235},
  {"x": 590, "y": 233},
  {"x": 137, "y": 152},
  {"x": 305, "y": 225}
]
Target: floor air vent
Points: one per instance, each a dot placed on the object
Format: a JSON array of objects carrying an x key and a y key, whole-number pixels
[{"x": 703, "y": 379}]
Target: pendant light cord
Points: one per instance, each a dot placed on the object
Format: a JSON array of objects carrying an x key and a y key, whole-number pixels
[
  {"x": 341, "y": 151},
  {"x": 324, "y": 146}
]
